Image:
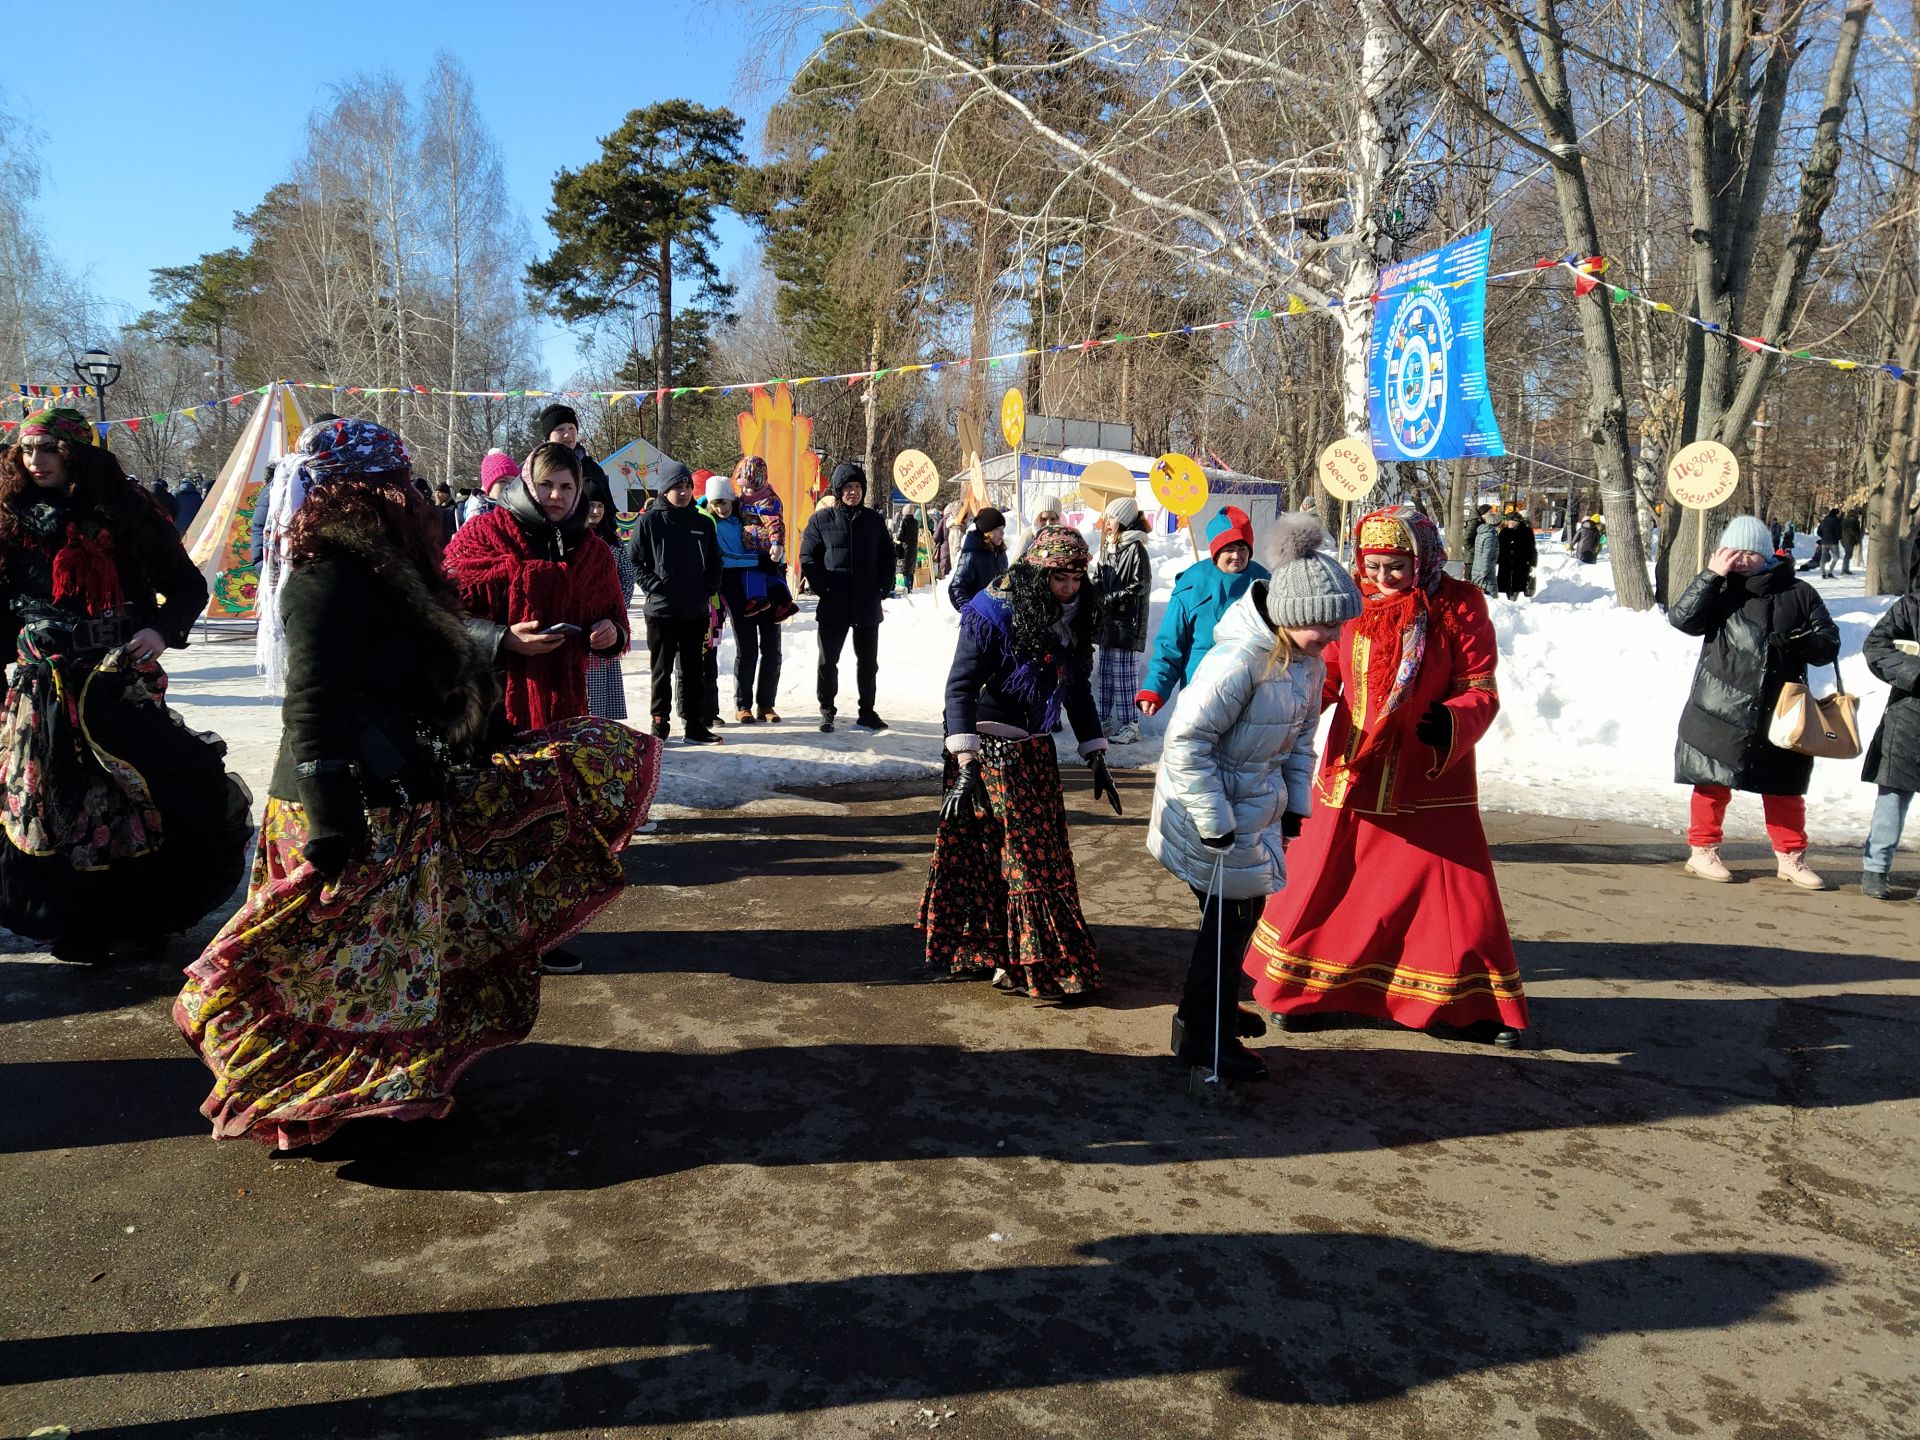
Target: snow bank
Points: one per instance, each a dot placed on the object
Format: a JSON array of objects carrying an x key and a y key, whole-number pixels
[{"x": 1590, "y": 697}]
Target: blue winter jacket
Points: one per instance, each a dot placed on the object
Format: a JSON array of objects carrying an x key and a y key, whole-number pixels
[
  {"x": 1200, "y": 597},
  {"x": 980, "y": 565},
  {"x": 734, "y": 554}
]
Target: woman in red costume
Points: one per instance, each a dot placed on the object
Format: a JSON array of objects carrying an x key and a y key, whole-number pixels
[{"x": 1391, "y": 909}]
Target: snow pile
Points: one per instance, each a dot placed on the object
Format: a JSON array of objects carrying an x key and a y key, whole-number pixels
[{"x": 1590, "y": 698}]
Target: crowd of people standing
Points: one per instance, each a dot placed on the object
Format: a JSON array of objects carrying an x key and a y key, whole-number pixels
[{"x": 454, "y": 787}]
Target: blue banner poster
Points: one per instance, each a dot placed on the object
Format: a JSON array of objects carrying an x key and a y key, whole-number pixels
[{"x": 1427, "y": 366}]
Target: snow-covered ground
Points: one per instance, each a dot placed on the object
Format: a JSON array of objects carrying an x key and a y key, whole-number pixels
[{"x": 1590, "y": 696}]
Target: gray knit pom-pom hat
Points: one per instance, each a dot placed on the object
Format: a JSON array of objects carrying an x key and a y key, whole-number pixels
[{"x": 1309, "y": 586}]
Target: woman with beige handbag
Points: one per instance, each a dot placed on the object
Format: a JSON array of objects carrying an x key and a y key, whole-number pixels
[{"x": 1760, "y": 628}]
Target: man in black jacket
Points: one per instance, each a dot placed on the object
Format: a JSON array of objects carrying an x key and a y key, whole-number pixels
[
  {"x": 676, "y": 563},
  {"x": 906, "y": 544},
  {"x": 847, "y": 557}
]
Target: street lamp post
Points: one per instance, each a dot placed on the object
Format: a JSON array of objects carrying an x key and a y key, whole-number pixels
[{"x": 98, "y": 369}]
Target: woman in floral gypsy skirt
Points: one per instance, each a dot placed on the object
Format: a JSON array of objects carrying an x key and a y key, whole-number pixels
[
  {"x": 1391, "y": 909},
  {"x": 120, "y": 823},
  {"x": 411, "y": 867},
  {"x": 1001, "y": 898}
]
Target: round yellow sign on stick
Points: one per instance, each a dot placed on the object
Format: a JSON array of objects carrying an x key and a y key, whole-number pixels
[
  {"x": 1348, "y": 469},
  {"x": 1703, "y": 475},
  {"x": 1179, "y": 484},
  {"x": 1013, "y": 418},
  {"x": 916, "y": 476},
  {"x": 1104, "y": 481}
]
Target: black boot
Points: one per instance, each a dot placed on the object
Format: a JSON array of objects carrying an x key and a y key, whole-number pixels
[
  {"x": 826, "y": 722},
  {"x": 867, "y": 720},
  {"x": 1873, "y": 885},
  {"x": 1237, "y": 1062}
]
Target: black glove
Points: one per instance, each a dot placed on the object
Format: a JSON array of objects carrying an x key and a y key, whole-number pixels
[
  {"x": 336, "y": 820},
  {"x": 1220, "y": 842},
  {"x": 1436, "y": 728},
  {"x": 969, "y": 793},
  {"x": 1290, "y": 824},
  {"x": 1103, "y": 780}
]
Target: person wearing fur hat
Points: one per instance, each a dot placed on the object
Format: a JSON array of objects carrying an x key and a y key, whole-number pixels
[
  {"x": 1001, "y": 898},
  {"x": 1236, "y": 773},
  {"x": 846, "y": 554},
  {"x": 414, "y": 859},
  {"x": 532, "y": 567},
  {"x": 1759, "y": 627},
  {"x": 983, "y": 557},
  {"x": 1391, "y": 909},
  {"x": 1126, "y": 585},
  {"x": 121, "y": 824},
  {"x": 1200, "y": 597}
]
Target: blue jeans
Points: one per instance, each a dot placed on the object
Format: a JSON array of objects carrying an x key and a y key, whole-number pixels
[{"x": 1883, "y": 834}]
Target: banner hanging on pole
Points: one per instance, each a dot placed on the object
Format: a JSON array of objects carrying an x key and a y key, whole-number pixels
[{"x": 1426, "y": 366}]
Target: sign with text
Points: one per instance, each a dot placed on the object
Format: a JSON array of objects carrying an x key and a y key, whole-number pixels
[
  {"x": 1426, "y": 365},
  {"x": 1348, "y": 469},
  {"x": 916, "y": 476},
  {"x": 1703, "y": 475}
]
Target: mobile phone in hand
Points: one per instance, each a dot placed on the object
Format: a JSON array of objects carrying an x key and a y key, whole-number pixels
[{"x": 561, "y": 629}]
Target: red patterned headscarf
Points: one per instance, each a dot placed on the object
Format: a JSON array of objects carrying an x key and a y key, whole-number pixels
[{"x": 1058, "y": 547}]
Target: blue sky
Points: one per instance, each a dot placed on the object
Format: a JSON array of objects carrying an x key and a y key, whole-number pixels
[{"x": 206, "y": 104}]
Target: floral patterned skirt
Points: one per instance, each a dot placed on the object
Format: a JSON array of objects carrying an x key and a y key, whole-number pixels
[
  {"x": 120, "y": 822},
  {"x": 325, "y": 1002},
  {"x": 1001, "y": 895}
]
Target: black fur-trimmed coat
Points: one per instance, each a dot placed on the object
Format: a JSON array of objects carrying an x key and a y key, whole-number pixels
[{"x": 378, "y": 665}]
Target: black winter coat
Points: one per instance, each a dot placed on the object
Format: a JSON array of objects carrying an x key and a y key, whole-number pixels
[
  {"x": 980, "y": 565},
  {"x": 906, "y": 539},
  {"x": 387, "y": 686},
  {"x": 847, "y": 556},
  {"x": 1758, "y": 632},
  {"x": 1893, "y": 759},
  {"x": 26, "y": 577},
  {"x": 1515, "y": 557},
  {"x": 676, "y": 561},
  {"x": 1126, "y": 584}
]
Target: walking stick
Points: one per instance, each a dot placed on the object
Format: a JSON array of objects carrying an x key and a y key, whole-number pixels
[{"x": 1218, "y": 891}]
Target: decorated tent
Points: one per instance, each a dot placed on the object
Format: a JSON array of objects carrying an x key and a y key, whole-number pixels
[{"x": 220, "y": 539}]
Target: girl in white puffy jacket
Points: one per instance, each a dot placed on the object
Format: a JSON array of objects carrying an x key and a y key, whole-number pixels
[{"x": 1235, "y": 774}]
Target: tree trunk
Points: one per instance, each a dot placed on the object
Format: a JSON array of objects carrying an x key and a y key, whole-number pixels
[
  {"x": 1547, "y": 93},
  {"x": 870, "y": 403},
  {"x": 663, "y": 352}
]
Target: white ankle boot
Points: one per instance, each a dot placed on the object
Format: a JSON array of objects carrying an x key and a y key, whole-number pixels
[
  {"x": 1793, "y": 869},
  {"x": 1704, "y": 863}
]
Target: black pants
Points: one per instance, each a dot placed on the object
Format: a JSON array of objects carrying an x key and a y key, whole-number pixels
[
  {"x": 1202, "y": 1000},
  {"x": 756, "y": 645},
  {"x": 866, "y": 662},
  {"x": 683, "y": 641}
]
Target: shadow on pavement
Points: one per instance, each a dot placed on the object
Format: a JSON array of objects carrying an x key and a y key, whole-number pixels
[{"x": 1321, "y": 1319}]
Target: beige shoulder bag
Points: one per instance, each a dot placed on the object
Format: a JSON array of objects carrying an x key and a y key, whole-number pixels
[{"x": 1825, "y": 727}]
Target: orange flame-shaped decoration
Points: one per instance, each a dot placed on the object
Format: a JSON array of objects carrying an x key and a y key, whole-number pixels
[{"x": 785, "y": 441}]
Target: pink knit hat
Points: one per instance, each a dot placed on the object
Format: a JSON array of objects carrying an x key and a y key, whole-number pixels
[{"x": 497, "y": 466}]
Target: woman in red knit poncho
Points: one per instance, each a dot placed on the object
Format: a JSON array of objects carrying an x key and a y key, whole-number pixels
[{"x": 532, "y": 566}]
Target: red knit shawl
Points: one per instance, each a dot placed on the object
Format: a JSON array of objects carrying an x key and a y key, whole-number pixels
[{"x": 492, "y": 563}]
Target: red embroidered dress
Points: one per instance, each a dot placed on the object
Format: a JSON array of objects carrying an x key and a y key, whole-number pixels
[{"x": 1391, "y": 908}]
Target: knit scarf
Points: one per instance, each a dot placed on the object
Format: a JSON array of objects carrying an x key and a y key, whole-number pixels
[{"x": 501, "y": 577}]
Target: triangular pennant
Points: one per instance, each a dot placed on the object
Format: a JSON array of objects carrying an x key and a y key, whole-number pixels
[{"x": 133, "y": 425}]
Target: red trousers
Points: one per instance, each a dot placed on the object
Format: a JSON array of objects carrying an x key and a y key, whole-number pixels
[{"x": 1786, "y": 818}]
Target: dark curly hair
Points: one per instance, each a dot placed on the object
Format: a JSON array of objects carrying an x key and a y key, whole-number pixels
[
  {"x": 1036, "y": 612},
  {"x": 142, "y": 533},
  {"x": 388, "y": 506}
]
